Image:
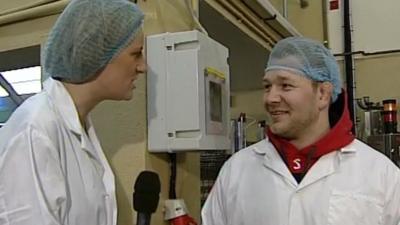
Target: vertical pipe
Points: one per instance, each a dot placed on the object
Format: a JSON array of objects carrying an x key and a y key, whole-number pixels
[
  {"x": 241, "y": 131},
  {"x": 349, "y": 63},
  {"x": 285, "y": 8}
]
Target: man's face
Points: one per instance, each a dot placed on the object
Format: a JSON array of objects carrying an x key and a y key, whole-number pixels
[{"x": 291, "y": 101}]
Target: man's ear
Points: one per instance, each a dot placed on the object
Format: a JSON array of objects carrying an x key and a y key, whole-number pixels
[{"x": 325, "y": 91}]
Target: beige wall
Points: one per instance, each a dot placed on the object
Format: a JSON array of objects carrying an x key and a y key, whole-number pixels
[
  {"x": 378, "y": 77},
  {"x": 121, "y": 126}
]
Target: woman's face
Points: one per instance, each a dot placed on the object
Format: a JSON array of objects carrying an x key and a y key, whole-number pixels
[{"x": 117, "y": 80}]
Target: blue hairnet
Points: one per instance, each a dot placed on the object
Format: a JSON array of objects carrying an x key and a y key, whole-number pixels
[
  {"x": 87, "y": 35},
  {"x": 308, "y": 58}
]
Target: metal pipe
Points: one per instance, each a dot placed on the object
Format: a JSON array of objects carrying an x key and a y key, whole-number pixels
[
  {"x": 285, "y": 8},
  {"x": 365, "y": 104},
  {"x": 250, "y": 22},
  {"x": 369, "y": 53},
  {"x": 265, "y": 20},
  {"x": 349, "y": 63}
]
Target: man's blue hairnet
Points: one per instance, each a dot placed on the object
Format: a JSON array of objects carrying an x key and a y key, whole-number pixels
[
  {"x": 308, "y": 58},
  {"x": 87, "y": 35}
]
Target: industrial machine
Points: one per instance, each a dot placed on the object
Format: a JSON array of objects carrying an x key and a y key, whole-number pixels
[{"x": 380, "y": 127}]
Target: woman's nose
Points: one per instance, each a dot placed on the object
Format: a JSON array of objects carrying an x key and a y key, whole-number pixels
[{"x": 142, "y": 67}]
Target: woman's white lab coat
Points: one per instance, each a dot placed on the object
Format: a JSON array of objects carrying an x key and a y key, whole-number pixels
[
  {"x": 353, "y": 186},
  {"x": 51, "y": 171}
]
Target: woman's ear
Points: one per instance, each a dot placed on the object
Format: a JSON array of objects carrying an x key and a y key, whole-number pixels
[{"x": 325, "y": 90}]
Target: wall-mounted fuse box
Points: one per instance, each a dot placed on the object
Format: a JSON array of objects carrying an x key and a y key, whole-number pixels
[{"x": 187, "y": 92}]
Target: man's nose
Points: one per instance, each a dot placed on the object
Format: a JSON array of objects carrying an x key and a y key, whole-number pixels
[{"x": 272, "y": 95}]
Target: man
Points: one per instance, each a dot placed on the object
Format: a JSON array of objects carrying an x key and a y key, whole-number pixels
[{"x": 310, "y": 170}]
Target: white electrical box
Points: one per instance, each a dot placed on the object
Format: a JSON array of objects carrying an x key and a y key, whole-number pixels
[{"x": 187, "y": 93}]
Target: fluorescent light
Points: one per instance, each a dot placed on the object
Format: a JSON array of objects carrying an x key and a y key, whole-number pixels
[
  {"x": 28, "y": 87},
  {"x": 24, "y": 81},
  {"x": 21, "y": 75}
]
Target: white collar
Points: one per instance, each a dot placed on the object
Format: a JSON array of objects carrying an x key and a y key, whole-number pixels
[
  {"x": 263, "y": 146},
  {"x": 64, "y": 104}
]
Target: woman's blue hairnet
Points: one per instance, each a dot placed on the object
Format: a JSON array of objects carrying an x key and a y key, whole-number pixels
[
  {"x": 87, "y": 35},
  {"x": 308, "y": 58}
]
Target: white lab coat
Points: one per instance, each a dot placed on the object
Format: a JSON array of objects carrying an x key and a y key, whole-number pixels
[
  {"x": 353, "y": 186},
  {"x": 51, "y": 171}
]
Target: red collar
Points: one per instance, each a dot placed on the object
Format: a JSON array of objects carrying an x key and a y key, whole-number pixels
[{"x": 300, "y": 160}]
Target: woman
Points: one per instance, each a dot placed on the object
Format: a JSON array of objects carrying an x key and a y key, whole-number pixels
[{"x": 52, "y": 168}]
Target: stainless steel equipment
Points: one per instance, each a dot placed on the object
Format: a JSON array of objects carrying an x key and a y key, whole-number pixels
[
  {"x": 380, "y": 130},
  {"x": 388, "y": 144}
]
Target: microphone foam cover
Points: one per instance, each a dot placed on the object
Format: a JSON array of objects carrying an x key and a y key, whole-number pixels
[{"x": 147, "y": 192}]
